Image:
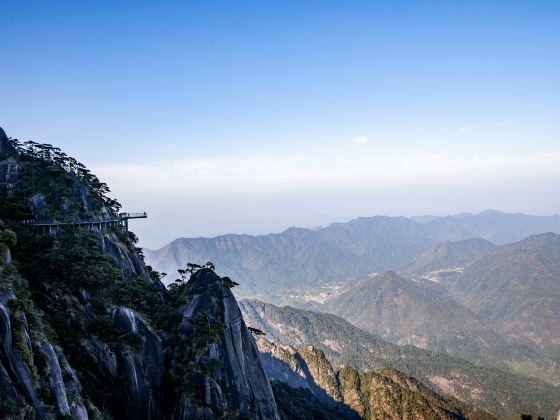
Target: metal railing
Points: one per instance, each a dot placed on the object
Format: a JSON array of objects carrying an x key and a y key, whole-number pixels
[{"x": 111, "y": 221}]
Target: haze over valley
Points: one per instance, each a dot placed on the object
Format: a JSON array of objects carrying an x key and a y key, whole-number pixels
[
  {"x": 280, "y": 210},
  {"x": 481, "y": 288}
]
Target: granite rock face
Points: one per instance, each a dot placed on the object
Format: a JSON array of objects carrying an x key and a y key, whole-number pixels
[
  {"x": 306, "y": 368},
  {"x": 5, "y": 146},
  {"x": 91, "y": 332},
  {"x": 240, "y": 373}
]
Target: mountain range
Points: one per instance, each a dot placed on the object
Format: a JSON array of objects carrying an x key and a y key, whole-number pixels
[
  {"x": 467, "y": 331},
  {"x": 490, "y": 303},
  {"x": 516, "y": 291},
  {"x": 275, "y": 267}
]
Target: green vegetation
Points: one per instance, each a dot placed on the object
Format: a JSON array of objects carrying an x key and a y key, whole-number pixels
[
  {"x": 299, "y": 404},
  {"x": 495, "y": 390},
  {"x": 202, "y": 329},
  {"x": 45, "y": 158},
  {"x": 69, "y": 283},
  {"x": 229, "y": 283},
  {"x": 8, "y": 408},
  {"x": 255, "y": 331}
]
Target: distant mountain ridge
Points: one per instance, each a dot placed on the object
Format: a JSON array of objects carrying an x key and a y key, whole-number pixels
[
  {"x": 449, "y": 254},
  {"x": 267, "y": 265}
]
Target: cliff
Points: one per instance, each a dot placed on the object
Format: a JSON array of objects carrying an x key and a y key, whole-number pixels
[
  {"x": 87, "y": 330},
  {"x": 379, "y": 394},
  {"x": 214, "y": 340}
]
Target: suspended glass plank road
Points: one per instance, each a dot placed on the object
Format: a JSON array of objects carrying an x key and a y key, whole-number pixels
[{"x": 124, "y": 217}]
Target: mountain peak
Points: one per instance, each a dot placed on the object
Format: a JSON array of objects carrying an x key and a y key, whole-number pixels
[
  {"x": 491, "y": 212},
  {"x": 5, "y": 147}
]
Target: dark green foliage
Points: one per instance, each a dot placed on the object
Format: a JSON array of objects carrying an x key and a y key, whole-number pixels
[
  {"x": 206, "y": 330},
  {"x": 299, "y": 404},
  {"x": 187, "y": 273},
  {"x": 255, "y": 331},
  {"x": 7, "y": 236},
  {"x": 50, "y": 171},
  {"x": 229, "y": 283},
  {"x": 18, "y": 340},
  {"x": 74, "y": 259},
  {"x": 8, "y": 408}
]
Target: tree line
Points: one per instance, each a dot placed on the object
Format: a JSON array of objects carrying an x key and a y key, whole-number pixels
[{"x": 52, "y": 154}]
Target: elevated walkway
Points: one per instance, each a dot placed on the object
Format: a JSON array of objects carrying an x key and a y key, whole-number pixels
[{"x": 116, "y": 221}]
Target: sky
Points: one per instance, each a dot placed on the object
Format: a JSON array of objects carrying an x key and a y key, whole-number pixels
[{"x": 252, "y": 116}]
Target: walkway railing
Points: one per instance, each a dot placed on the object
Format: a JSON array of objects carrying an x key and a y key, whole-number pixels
[{"x": 120, "y": 220}]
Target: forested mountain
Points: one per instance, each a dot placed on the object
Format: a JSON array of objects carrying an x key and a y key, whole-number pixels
[
  {"x": 267, "y": 265},
  {"x": 87, "y": 330},
  {"x": 514, "y": 288},
  {"x": 344, "y": 344},
  {"x": 421, "y": 313},
  {"x": 516, "y": 291}
]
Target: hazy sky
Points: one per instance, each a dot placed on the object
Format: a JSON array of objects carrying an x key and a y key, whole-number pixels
[{"x": 251, "y": 116}]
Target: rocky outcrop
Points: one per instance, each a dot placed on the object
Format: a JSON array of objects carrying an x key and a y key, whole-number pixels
[
  {"x": 87, "y": 330},
  {"x": 10, "y": 172},
  {"x": 129, "y": 263},
  {"x": 142, "y": 369},
  {"x": 228, "y": 368},
  {"x": 307, "y": 368},
  {"x": 5, "y": 147},
  {"x": 55, "y": 381},
  {"x": 381, "y": 394},
  {"x": 284, "y": 363},
  {"x": 321, "y": 370},
  {"x": 12, "y": 363}
]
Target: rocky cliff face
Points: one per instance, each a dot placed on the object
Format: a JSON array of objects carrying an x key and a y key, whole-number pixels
[
  {"x": 214, "y": 339},
  {"x": 381, "y": 394},
  {"x": 87, "y": 330},
  {"x": 5, "y": 146}
]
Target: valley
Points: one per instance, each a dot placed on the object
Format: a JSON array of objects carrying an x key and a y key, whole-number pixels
[
  {"x": 454, "y": 287},
  {"x": 381, "y": 317}
]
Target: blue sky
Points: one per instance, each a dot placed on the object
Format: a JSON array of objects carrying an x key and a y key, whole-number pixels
[{"x": 280, "y": 108}]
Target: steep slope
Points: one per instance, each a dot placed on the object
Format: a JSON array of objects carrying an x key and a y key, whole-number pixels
[
  {"x": 296, "y": 261},
  {"x": 299, "y": 403},
  {"x": 343, "y": 344},
  {"x": 422, "y": 314},
  {"x": 87, "y": 330},
  {"x": 517, "y": 291},
  {"x": 383, "y": 393},
  {"x": 215, "y": 357}
]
